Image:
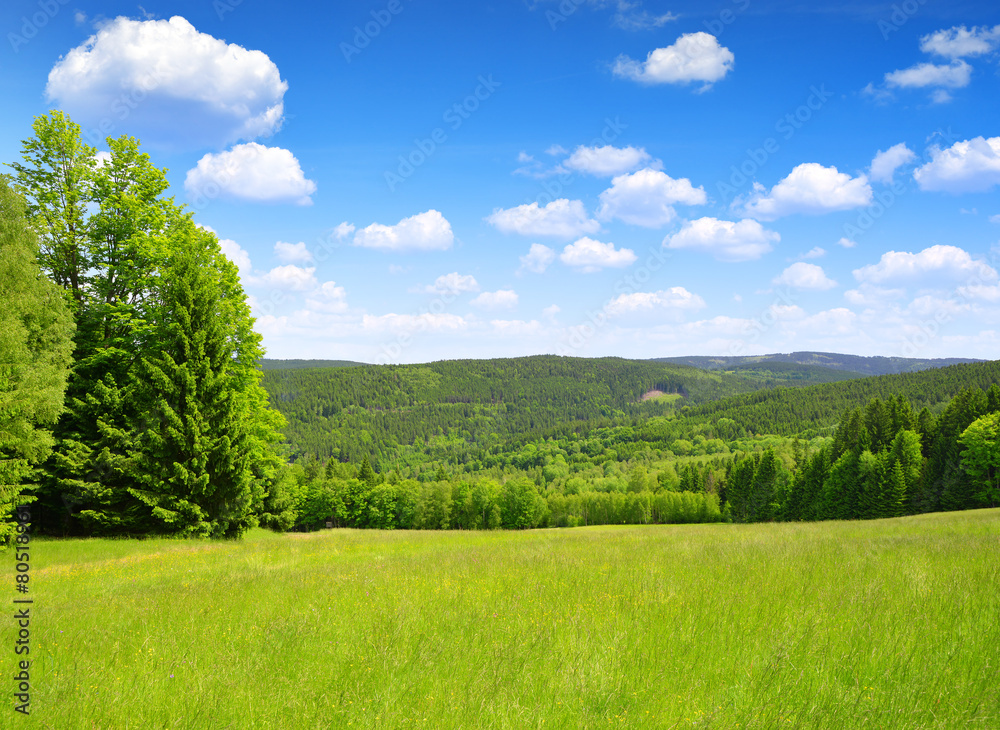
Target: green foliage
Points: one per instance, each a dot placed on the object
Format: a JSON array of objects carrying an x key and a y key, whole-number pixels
[
  {"x": 35, "y": 354},
  {"x": 981, "y": 458}
]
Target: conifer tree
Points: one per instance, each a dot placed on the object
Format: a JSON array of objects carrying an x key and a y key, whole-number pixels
[{"x": 202, "y": 465}]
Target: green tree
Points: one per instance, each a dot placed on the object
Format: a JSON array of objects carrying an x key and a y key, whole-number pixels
[
  {"x": 981, "y": 458},
  {"x": 203, "y": 465},
  {"x": 36, "y": 347},
  {"x": 56, "y": 178}
]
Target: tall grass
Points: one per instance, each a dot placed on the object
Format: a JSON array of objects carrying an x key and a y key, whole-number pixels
[{"x": 885, "y": 624}]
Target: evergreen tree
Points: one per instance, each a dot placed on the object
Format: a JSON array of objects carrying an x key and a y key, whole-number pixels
[
  {"x": 203, "y": 465},
  {"x": 894, "y": 501},
  {"x": 36, "y": 331}
]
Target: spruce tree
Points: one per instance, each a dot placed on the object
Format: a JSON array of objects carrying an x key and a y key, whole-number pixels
[{"x": 202, "y": 463}]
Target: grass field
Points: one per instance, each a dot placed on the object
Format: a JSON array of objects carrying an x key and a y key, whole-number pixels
[{"x": 882, "y": 624}]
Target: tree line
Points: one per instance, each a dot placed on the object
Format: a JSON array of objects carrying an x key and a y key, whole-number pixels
[{"x": 132, "y": 342}]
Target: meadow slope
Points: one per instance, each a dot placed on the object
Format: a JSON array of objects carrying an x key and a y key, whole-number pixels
[{"x": 887, "y": 623}]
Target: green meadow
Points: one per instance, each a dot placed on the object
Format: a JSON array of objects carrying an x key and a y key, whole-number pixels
[{"x": 881, "y": 624}]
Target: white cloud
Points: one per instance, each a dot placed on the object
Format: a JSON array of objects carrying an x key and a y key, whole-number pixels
[
  {"x": 869, "y": 295},
  {"x": 556, "y": 150},
  {"x": 428, "y": 231},
  {"x": 502, "y": 299},
  {"x": 453, "y": 283},
  {"x": 516, "y": 327},
  {"x": 608, "y": 160},
  {"x": 995, "y": 219},
  {"x": 932, "y": 264},
  {"x": 329, "y": 299},
  {"x": 588, "y": 256},
  {"x": 551, "y": 311},
  {"x": 969, "y": 166},
  {"x": 673, "y": 300},
  {"x": 847, "y": 243},
  {"x": 410, "y": 323},
  {"x": 886, "y": 163},
  {"x": 537, "y": 259},
  {"x": 810, "y": 189},
  {"x": 960, "y": 42},
  {"x": 805, "y": 276},
  {"x": 955, "y": 75},
  {"x": 292, "y": 253},
  {"x": 814, "y": 253},
  {"x": 646, "y": 198},
  {"x": 343, "y": 230},
  {"x": 153, "y": 73},
  {"x": 559, "y": 219},
  {"x": 237, "y": 254},
  {"x": 290, "y": 277},
  {"x": 725, "y": 240},
  {"x": 251, "y": 172},
  {"x": 838, "y": 321},
  {"x": 631, "y": 17},
  {"x": 694, "y": 57}
]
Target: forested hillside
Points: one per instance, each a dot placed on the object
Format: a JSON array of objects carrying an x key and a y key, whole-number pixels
[{"x": 849, "y": 363}]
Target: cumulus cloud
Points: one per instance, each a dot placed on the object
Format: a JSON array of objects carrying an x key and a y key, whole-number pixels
[
  {"x": 847, "y": 242},
  {"x": 805, "y": 276},
  {"x": 933, "y": 264},
  {"x": 251, "y": 172},
  {"x": 725, "y": 240},
  {"x": 559, "y": 219},
  {"x": 537, "y": 259},
  {"x": 290, "y": 253},
  {"x": 694, "y": 57},
  {"x": 155, "y": 72},
  {"x": 428, "y": 231},
  {"x": 409, "y": 323},
  {"x": 237, "y": 254},
  {"x": 502, "y": 299},
  {"x": 290, "y": 277},
  {"x": 674, "y": 300},
  {"x": 328, "y": 299},
  {"x": 810, "y": 189},
  {"x": 961, "y": 42},
  {"x": 955, "y": 75},
  {"x": 343, "y": 230},
  {"x": 886, "y": 163},
  {"x": 453, "y": 283},
  {"x": 646, "y": 198},
  {"x": 607, "y": 160},
  {"x": 969, "y": 166},
  {"x": 587, "y": 256},
  {"x": 814, "y": 253}
]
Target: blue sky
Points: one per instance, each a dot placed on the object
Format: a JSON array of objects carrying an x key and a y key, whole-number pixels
[{"x": 403, "y": 181}]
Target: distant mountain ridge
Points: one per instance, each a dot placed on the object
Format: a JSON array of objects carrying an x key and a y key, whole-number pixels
[
  {"x": 876, "y": 365},
  {"x": 267, "y": 364}
]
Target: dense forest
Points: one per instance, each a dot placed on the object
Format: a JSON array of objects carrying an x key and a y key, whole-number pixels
[{"x": 135, "y": 400}]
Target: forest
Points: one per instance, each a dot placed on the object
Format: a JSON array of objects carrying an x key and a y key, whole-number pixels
[{"x": 135, "y": 400}]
